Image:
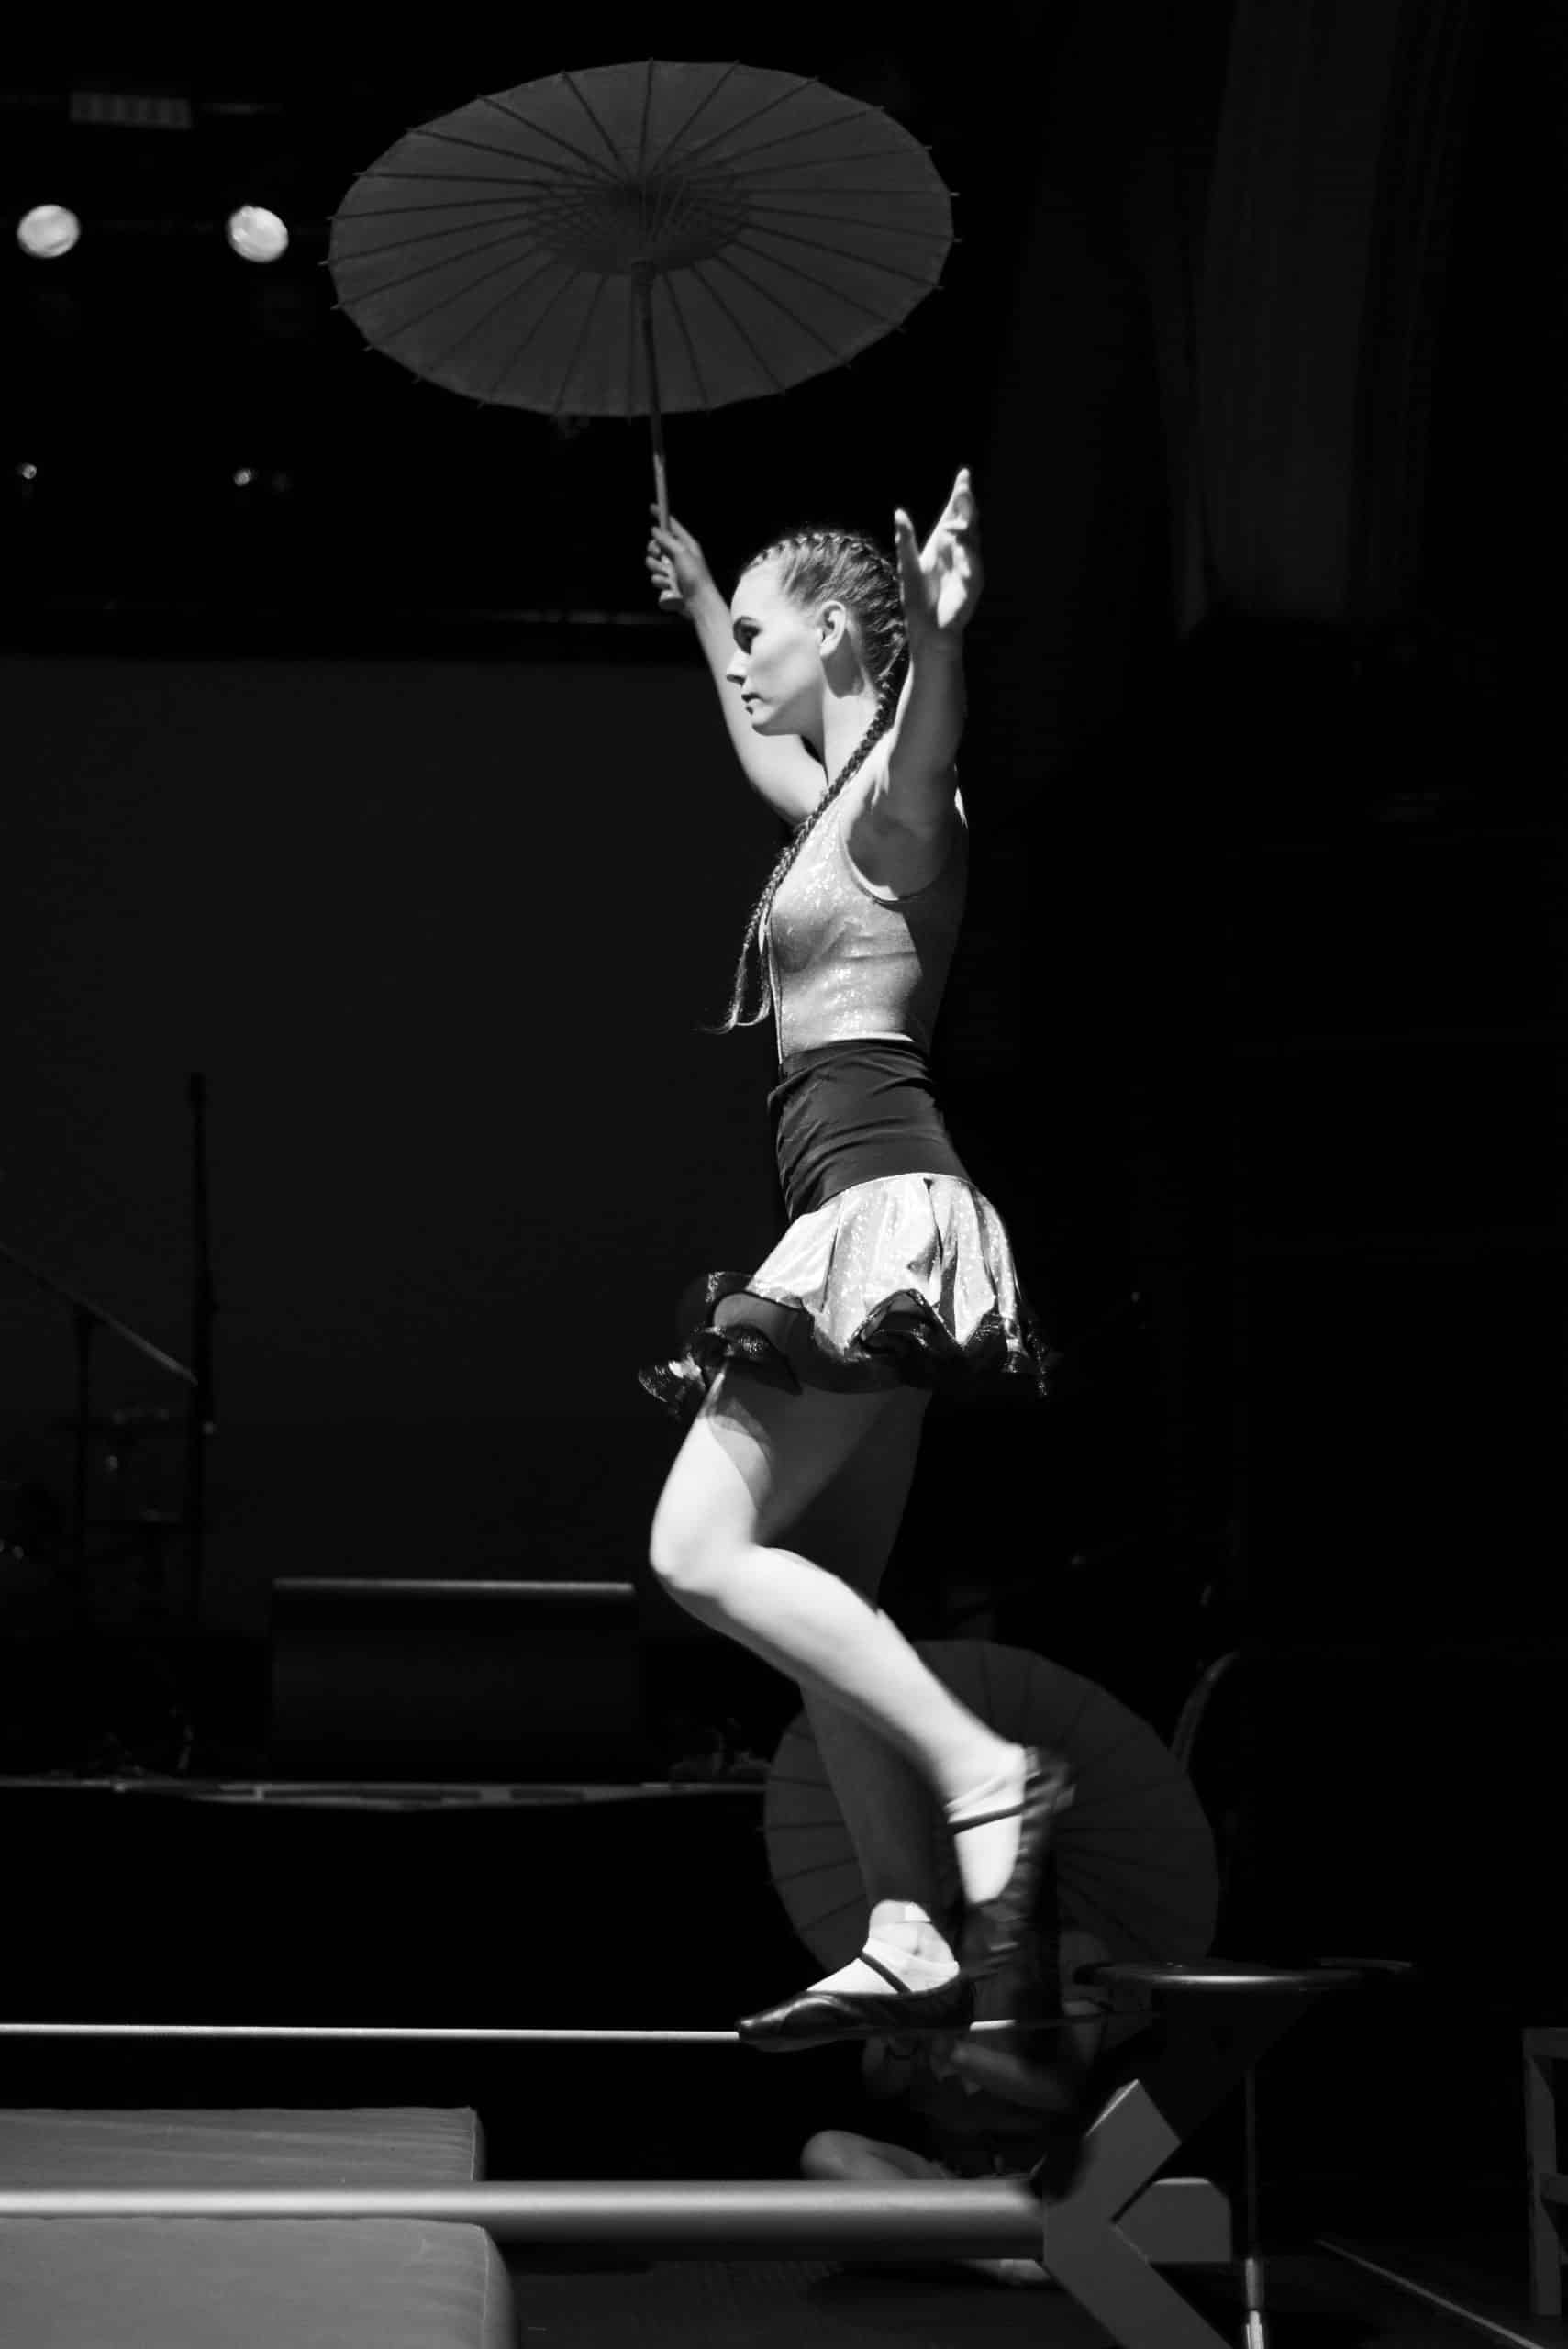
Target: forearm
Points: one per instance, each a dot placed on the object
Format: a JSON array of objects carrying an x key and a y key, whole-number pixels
[
  {"x": 710, "y": 618},
  {"x": 933, "y": 706}
]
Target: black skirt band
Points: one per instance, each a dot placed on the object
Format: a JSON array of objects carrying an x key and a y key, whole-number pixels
[{"x": 851, "y": 1113}]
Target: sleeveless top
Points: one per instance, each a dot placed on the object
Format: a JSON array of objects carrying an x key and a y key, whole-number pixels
[{"x": 845, "y": 961}]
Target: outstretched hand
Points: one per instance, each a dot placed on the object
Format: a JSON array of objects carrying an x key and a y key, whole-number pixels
[{"x": 942, "y": 580}]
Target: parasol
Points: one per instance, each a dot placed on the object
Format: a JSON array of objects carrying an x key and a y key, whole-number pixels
[
  {"x": 636, "y": 239},
  {"x": 1136, "y": 1872}
]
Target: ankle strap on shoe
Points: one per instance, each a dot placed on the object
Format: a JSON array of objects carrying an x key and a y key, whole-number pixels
[{"x": 885, "y": 1971}]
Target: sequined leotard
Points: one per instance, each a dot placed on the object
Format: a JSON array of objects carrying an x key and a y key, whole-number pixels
[
  {"x": 847, "y": 960},
  {"x": 895, "y": 1269}
]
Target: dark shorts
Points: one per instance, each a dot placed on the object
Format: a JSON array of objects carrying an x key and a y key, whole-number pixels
[{"x": 850, "y": 1113}]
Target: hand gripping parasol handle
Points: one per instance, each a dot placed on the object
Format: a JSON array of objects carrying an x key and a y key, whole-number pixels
[{"x": 642, "y": 292}]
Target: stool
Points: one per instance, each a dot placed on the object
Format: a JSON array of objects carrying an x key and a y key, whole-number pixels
[
  {"x": 1213, "y": 2022},
  {"x": 1548, "y": 2184}
]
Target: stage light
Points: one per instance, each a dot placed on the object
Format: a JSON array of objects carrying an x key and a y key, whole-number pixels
[
  {"x": 243, "y": 477},
  {"x": 257, "y": 233},
  {"x": 48, "y": 231}
]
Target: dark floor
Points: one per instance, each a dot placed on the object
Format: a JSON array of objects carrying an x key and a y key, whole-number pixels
[
  {"x": 1483, "y": 2268},
  {"x": 1467, "y": 2249},
  {"x": 1314, "y": 2300}
]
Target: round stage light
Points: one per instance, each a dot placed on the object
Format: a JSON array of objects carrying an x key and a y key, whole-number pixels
[
  {"x": 257, "y": 233},
  {"x": 48, "y": 231}
]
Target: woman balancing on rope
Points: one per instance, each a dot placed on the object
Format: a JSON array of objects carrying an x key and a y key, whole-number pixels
[{"x": 840, "y": 674}]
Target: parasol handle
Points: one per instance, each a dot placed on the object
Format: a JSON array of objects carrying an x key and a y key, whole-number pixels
[{"x": 643, "y": 288}]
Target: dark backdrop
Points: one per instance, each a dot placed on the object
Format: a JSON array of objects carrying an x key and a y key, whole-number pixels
[{"x": 440, "y": 935}]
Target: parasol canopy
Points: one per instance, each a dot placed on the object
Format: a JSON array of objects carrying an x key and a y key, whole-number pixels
[
  {"x": 1136, "y": 1871},
  {"x": 635, "y": 240}
]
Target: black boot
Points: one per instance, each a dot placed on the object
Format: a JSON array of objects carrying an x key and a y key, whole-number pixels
[
  {"x": 997, "y": 1933},
  {"x": 1036, "y": 2065}
]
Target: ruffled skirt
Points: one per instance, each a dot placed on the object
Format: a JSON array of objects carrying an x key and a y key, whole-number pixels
[{"x": 907, "y": 1279}]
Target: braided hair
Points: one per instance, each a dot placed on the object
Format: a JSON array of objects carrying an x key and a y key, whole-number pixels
[{"x": 819, "y": 567}]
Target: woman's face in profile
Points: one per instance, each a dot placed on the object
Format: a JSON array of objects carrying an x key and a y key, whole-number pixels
[{"x": 777, "y": 663}]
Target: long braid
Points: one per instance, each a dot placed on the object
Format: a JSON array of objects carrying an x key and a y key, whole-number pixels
[{"x": 820, "y": 566}]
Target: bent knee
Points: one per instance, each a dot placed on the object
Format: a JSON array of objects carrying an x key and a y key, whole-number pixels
[
  {"x": 692, "y": 1562},
  {"x": 829, "y": 2154},
  {"x": 838, "y": 2154},
  {"x": 705, "y": 1518}
]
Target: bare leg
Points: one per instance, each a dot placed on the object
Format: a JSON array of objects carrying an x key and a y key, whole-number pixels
[
  {"x": 750, "y": 1463},
  {"x": 886, "y": 1806},
  {"x": 750, "y": 1470},
  {"x": 806, "y": 1624},
  {"x": 885, "y": 1800}
]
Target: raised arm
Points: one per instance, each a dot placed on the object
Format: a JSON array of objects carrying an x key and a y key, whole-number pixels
[
  {"x": 783, "y": 770},
  {"x": 940, "y": 586}
]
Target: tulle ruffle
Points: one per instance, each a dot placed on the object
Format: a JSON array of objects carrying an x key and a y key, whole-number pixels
[{"x": 907, "y": 1280}]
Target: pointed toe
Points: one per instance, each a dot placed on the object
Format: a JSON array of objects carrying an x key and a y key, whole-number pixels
[{"x": 821, "y": 2017}]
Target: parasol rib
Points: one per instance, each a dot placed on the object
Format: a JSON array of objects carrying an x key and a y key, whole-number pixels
[
  {"x": 834, "y": 125},
  {"x": 1131, "y": 1790},
  {"x": 699, "y": 272},
  {"x": 803, "y": 1876},
  {"x": 688, "y": 338},
  {"x": 632, "y": 341},
  {"x": 745, "y": 160},
  {"x": 545, "y": 216},
  {"x": 518, "y": 237},
  {"x": 478, "y": 325},
  {"x": 618, "y": 158},
  {"x": 566, "y": 375},
  {"x": 842, "y": 219},
  {"x": 535, "y": 323},
  {"x": 528, "y": 237},
  {"x": 555, "y": 184},
  {"x": 591, "y": 164},
  {"x": 745, "y": 244},
  {"x": 591, "y": 176},
  {"x": 417, "y": 317},
  {"x": 706, "y": 99},
  {"x": 643, "y": 131},
  {"x": 678, "y": 155}
]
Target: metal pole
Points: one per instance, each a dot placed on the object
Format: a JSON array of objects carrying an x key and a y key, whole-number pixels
[
  {"x": 1251, "y": 2242},
  {"x": 642, "y": 294},
  {"x": 499, "y": 2034},
  {"x": 986, "y": 2219}
]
